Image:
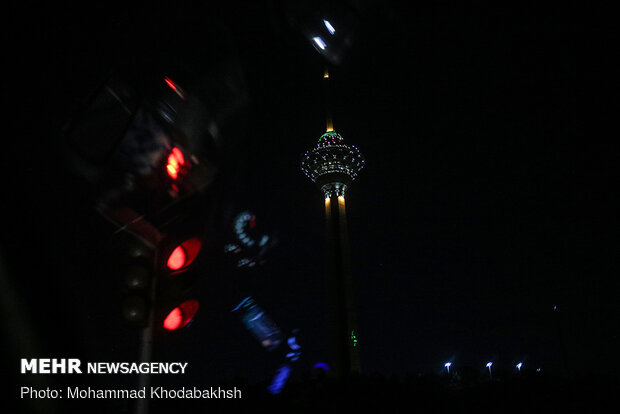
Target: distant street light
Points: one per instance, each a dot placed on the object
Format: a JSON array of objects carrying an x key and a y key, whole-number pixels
[
  {"x": 447, "y": 365},
  {"x": 519, "y": 365},
  {"x": 489, "y": 364}
]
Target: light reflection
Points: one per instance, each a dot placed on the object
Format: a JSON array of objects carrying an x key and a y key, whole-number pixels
[
  {"x": 319, "y": 42},
  {"x": 329, "y": 27}
]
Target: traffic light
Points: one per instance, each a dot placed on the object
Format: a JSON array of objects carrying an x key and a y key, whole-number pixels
[
  {"x": 160, "y": 283},
  {"x": 181, "y": 315},
  {"x": 148, "y": 157},
  {"x": 145, "y": 148},
  {"x": 176, "y": 301}
]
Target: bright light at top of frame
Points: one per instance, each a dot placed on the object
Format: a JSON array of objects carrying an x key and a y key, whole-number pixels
[
  {"x": 319, "y": 42},
  {"x": 329, "y": 27}
]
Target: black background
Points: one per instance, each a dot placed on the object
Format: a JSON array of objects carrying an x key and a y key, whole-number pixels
[{"x": 481, "y": 208}]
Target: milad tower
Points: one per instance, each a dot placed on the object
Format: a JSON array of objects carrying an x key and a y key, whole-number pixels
[{"x": 333, "y": 166}]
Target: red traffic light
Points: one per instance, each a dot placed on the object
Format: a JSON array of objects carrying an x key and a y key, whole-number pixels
[
  {"x": 181, "y": 315},
  {"x": 176, "y": 260},
  {"x": 184, "y": 254}
]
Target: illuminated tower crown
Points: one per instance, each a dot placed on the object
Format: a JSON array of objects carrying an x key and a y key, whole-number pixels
[{"x": 332, "y": 165}]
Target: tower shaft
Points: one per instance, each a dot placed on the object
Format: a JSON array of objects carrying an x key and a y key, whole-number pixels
[{"x": 344, "y": 353}]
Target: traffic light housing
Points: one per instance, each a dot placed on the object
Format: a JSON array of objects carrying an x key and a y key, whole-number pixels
[
  {"x": 147, "y": 154},
  {"x": 160, "y": 283},
  {"x": 138, "y": 277}
]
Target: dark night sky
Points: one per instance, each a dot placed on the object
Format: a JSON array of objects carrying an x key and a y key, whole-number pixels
[{"x": 476, "y": 214}]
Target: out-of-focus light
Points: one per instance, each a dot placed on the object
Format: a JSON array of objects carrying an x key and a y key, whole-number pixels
[
  {"x": 519, "y": 365},
  {"x": 293, "y": 356},
  {"x": 241, "y": 303},
  {"x": 173, "y": 320},
  {"x": 321, "y": 365},
  {"x": 174, "y": 87},
  {"x": 489, "y": 364},
  {"x": 176, "y": 260},
  {"x": 319, "y": 42},
  {"x": 174, "y": 163},
  {"x": 184, "y": 254},
  {"x": 329, "y": 26},
  {"x": 259, "y": 324},
  {"x": 292, "y": 343},
  {"x": 170, "y": 83},
  {"x": 353, "y": 339},
  {"x": 181, "y": 315},
  {"x": 279, "y": 380},
  {"x": 230, "y": 247},
  {"x": 448, "y": 364}
]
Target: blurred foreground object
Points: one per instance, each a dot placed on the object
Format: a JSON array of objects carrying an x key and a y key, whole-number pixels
[{"x": 147, "y": 158}]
